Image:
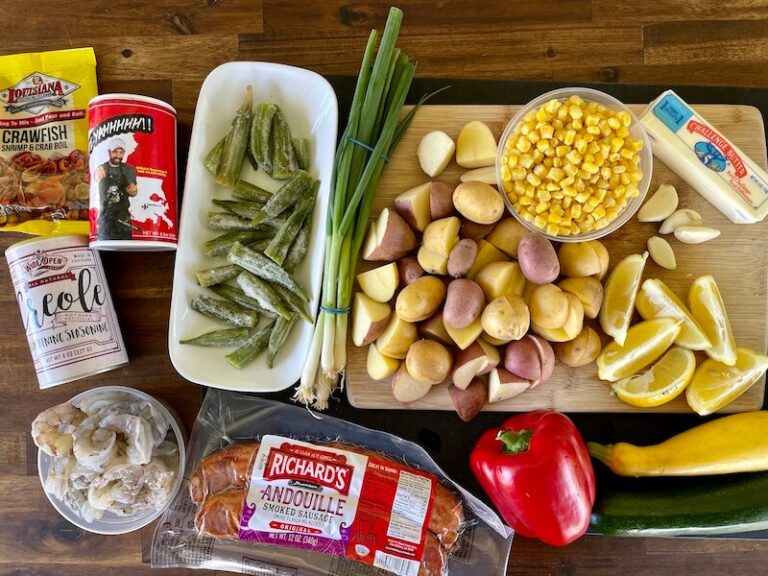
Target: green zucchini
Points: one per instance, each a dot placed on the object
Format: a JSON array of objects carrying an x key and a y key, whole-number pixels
[{"x": 691, "y": 506}]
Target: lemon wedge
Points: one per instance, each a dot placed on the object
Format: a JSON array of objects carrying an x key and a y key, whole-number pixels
[
  {"x": 656, "y": 300},
  {"x": 706, "y": 305},
  {"x": 715, "y": 385},
  {"x": 645, "y": 342},
  {"x": 619, "y": 296},
  {"x": 661, "y": 383}
]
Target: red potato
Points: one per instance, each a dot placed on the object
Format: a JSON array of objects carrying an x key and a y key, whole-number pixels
[
  {"x": 434, "y": 328},
  {"x": 470, "y": 401},
  {"x": 531, "y": 358},
  {"x": 503, "y": 384},
  {"x": 440, "y": 199},
  {"x": 492, "y": 356},
  {"x": 414, "y": 206},
  {"x": 369, "y": 319},
  {"x": 405, "y": 388},
  {"x": 475, "y": 231},
  {"x": 380, "y": 283},
  {"x": 435, "y": 152},
  {"x": 478, "y": 359},
  {"x": 464, "y": 303},
  {"x": 409, "y": 270},
  {"x": 389, "y": 237},
  {"x": 538, "y": 259},
  {"x": 462, "y": 257}
]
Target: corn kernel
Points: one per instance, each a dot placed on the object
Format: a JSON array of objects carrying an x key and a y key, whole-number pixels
[
  {"x": 577, "y": 124},
  {"x": 539, "y": 221},
  {"x": 601, "y": 223},
  {"x": 561, "y": 151},
  {"x": 567, "y": 181},
  {"x": 558, "y": 209},
  {"x": 614, "y": 181},
  {"x": 600, "y": 195},
  {"x": 552, "y": 187},
  {"x": 625, "y": 118},
  {"x": 512, "y": 161},
  {"x": 542, "y": 115},
  {"x": 528, "y": 217},
  {"x": 533, "y": 136},
  {"x": 594, "y": 130},
  {"x": 581, "y": 146},
  {"x": 539, "y": 170},
  {"x": 505, "y": 175},
  {"x": 574, "y": 157},
  {"x": 575, "y": 112},
  {"x": 563, "y": 230},
  {"x": 619, "y": 191},
  {"x": 553, "y": 218},
  {"x": 555, "y": 174},
  {"x": 570, "y": 137},
  {"x": 537, "y": 156},
  {"x": 552, "y": 106},
  {"x": 605, "y": 173},
  {"x": 576, "y": 211},
  {"x": 622, "y": 132},
  {"x": 636, "y": 160},
  {"x": 547, "y": 131},
  {"x": 614, "y": 123},
  {"x": 523, "y": 144},
  {"x": 542, "y": 145},
  {"x": 519, "y": 188},
  {"x": 599, "y": 212},
  {"x": 632, "y": 191},
  {"x": 552, "y": 228},
  {"x": 570, "y": 191},
  {"x": 605, "y": 149},
  {"x": 575, "y": 99},
  {"x": 557, "y": 162},
  {"x": 508, "y": 187},
  {"x": 558, "y": 195},
  {"x": 587, "y": 208},
  {"x": 579, "y": 185},
  {"x": 518, "y": 173},
  {"x": 586, "y": 226},
  {"x": 543, "y": 195},
  {"x": 526, "y": 161},
  {"x": 592, "y": 120},
  {"x": 625, "y": 179},
  {"x": 609, "y": 203},
  {"x": 602, "y": 184},
  {"x": 575, "y": 228},
  {"x": 582, "y": 197},
  {"x": 567, "y": 201},
  {"x": 525, "y": 201},
  {"x": 636, "y": 176},
  {"x": 571, "y": 169},
  {"x": 529, "y": 191},
  {"x": 533, "y": 179},
  {"x": 562, "y": 113},
  {"x": 626, "y": 153}
]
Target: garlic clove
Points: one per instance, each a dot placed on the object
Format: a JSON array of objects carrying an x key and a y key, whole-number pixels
[
  {"x": 661, "y": 253},
  {"x": 682, "y": 217},
  {"x": 660, "y": 205},
  {"x": 695, "y": 234}
]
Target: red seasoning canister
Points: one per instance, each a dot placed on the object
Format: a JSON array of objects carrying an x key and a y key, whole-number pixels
[
  {"x": 132, "y": 148},
  {"x": 66, "y": 308}
]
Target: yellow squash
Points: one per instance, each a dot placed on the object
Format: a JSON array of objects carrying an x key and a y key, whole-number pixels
[{"x": 736, "y": 443}]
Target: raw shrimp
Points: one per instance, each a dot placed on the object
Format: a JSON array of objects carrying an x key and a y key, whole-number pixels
[
  {"x": 111, "y": 400},
  {"x": 137, "y": 432},
  {"x": 93, "y": 445},
  {"x": 123, "y": 403},
  {"x": 81, "y": 476},
  {"x": 119, "y": 484},
  {"x": 52, "y": 429},
  {"x": 77, "y": 501},
  {"x": 57, "y": 481}
]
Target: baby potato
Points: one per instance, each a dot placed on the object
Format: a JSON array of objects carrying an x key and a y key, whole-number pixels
[
  {"x": 580, "y": 259},
  {"x": 463, "y": 303},
  {"x": 428, "y": 361},
  {"x": 588, "y": 290},
  {"x": 506, "y": 318},
  {"x": 478, "y": 202},
  {"x": 462, "y": 257},
  {"x": 580, "y": 351},
  {"x": 420, "y": 299},
  {"x": 548, "y": 306},
  {"x": 538, "y": 259}
]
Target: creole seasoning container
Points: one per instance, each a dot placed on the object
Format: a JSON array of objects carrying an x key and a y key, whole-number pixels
[
  {"x": 66, "y": 308},
  {"x": 132, "y": 147}
]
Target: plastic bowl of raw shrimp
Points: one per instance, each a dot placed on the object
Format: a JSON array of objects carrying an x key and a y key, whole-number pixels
[{"x": 104, "y": 470}]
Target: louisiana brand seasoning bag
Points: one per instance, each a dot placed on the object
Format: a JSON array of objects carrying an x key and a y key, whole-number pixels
[{"x": 44, "y": 141}]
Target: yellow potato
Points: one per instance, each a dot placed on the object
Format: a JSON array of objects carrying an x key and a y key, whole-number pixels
[
  {"x": 478, "y": 202},
  {"x": 588, "y": 290},
  {"x": 506, "y": 236},
  {"x": 506, "y": 318},
  {"x": 580, "y": 351},
  {"x": 549, "y": 306},
  {"x": 579, "y": 259},
  {"x": 428, "y": 361},
  {"x": 420, "y": 299}
]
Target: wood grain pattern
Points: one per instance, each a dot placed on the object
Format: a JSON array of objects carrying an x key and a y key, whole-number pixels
[
  {"x": 741, "y": 274},
  {"x": 165, "y": 50}
]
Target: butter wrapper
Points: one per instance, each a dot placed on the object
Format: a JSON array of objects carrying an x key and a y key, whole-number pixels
[{"x": 707, "y": 160}]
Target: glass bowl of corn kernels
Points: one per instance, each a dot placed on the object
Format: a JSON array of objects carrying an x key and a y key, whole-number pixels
[{"x": 574, "y": 164}]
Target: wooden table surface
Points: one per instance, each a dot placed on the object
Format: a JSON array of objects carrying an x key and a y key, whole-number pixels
[{"x": 165, "y": 49}]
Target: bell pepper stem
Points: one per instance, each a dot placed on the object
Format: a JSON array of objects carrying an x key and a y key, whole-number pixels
[{"x": 514, "y": 442}]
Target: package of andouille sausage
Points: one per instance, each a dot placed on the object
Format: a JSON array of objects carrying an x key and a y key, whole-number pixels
[
  {"x": 43, "y": 141},
  {"x": 271, "y": 489}
]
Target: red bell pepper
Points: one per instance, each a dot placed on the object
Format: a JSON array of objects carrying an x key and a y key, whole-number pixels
[{"x": 537, "y": 472}]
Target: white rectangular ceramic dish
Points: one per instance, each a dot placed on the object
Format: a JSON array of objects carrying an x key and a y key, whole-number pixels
[{"x": 310, "y": 106}]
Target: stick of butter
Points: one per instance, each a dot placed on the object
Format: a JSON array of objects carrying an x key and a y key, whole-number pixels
[{"x": 706, "y": 159}]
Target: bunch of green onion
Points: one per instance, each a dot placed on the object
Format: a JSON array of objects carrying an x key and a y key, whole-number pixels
[{"x": 374, "y": 121}]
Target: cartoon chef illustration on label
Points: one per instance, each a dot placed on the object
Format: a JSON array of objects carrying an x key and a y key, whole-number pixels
[{"x": 117, "y": 183}]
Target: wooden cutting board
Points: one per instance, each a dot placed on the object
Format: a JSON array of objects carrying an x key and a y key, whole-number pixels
[{"x": 738, "y": 260}]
